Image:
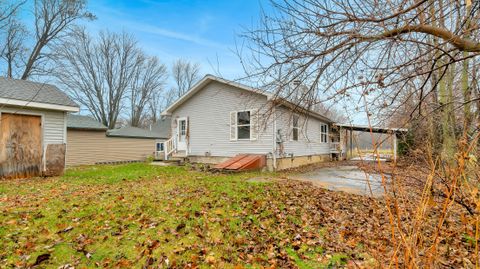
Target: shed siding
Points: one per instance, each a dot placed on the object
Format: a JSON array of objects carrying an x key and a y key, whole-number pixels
[
  {"x": 53, "y": 123},
  {"x": 208, "y": 113},
  {"x": 309, "y": 138},
  {"x": 54, "y": 129},
  {"x": 90, "y": 147}
]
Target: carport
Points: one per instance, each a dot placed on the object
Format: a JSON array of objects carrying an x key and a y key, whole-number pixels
[{"x": 346, "y": 137}]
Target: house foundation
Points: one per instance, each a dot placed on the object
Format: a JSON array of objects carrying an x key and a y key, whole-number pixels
[
  {"x": 297, "y": 161},
  {"x": 281, "y": 163}
]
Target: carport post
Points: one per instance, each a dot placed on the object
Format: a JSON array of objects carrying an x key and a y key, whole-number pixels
[
  {"x": 351, "y": 142},
  {"x": 394, "y": 146}
]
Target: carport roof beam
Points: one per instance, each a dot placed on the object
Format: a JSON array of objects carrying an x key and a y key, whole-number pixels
[{"x": 374, "y": 129}]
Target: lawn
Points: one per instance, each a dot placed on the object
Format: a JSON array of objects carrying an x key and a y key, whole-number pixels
[
  {"x": 144, "y": 216},
  {"x": 139, "y": 215}
]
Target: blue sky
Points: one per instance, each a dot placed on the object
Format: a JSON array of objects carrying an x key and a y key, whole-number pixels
[{"x": 202, "y": 31}]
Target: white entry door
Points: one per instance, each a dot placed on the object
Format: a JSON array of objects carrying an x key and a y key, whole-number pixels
[{"x": 182, "y": 134}]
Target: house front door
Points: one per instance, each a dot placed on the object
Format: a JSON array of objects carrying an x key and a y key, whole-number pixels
[{"x": 182, "y": 134}]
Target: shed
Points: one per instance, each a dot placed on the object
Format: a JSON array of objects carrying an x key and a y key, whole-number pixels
[
  {"x": 89, "y": 142},
  {"x": 32, "y": 128}
]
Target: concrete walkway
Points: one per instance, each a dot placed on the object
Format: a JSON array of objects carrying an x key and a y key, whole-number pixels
[{"x": 349, "y": 179}]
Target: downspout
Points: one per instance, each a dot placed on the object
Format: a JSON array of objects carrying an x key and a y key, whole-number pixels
[{"x": 274, "y": 135}]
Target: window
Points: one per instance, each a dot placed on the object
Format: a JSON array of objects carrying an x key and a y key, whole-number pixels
[
  {"x": 323, "y": 133},
  {"x": 183, "y": 127},
  {"x": 182, "y": 130},
  {"x": 243, "y": 125},
  {"x": 160, "y": 146},
  {"x": 295, "y": 127}
]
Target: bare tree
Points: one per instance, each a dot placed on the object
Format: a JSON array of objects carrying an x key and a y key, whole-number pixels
[
  {"x": 148, "y": 82},
  {"x": 13, "y": 50},
  {"x": 366, "y": 51},
  {"x": 156, "y": 105},
  {"x": 52, "y": 20},
  {"x": 416, "y": 57},
  {"x": 8, "y": 10},
  {"x": 185, "y": 74},
  {"x": 99, "y": 73},
  {"x": 12, "y": 34}
]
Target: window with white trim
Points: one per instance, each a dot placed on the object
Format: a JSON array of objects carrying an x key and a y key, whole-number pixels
[
  {"x": 243, "y": 125},
  {"x": 323, "y": 133},
  {"x": 160, "y": 146},
  {"x": 295, "y": 127}
]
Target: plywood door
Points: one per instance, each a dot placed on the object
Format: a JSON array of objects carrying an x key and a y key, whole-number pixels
[{"x": 20, "y": 145}]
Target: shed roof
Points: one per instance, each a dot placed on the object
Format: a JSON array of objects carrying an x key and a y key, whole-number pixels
[
  {"x": 84, "y": 123},
  {"x": 133, "y": 132},
  {"x": 34, "y": 94}
]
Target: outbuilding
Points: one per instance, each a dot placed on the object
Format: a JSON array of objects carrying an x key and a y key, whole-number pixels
[
  {"x": 32, "y": 128},
  {"x": 89, "y": 142}
]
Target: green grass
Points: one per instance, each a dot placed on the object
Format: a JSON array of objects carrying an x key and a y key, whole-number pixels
[{"x": 138, "y": 214}]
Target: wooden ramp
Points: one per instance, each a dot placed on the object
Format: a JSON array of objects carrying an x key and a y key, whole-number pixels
[{"x": 243, "y": 162}]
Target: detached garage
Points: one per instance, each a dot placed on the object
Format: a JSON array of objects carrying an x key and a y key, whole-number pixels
[
  {"x": 89, "y": 142},
  {"x": 32, "y": 128}
]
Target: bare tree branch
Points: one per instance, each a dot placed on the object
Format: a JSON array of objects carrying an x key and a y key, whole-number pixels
[
  {"x": 52, "y": 19},
  {"x": 99, "y": 73},
  {"x": 148, "y": 83}
]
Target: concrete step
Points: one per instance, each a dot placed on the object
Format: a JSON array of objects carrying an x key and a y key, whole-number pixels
[
  {"x": 172, "y": 162},
  {"x": 179, "y": 154}
]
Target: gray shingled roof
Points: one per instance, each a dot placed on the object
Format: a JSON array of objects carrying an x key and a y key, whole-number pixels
[
  {"x": 33, "y": 91},
  {"x": 84, "y": 122},
  {"x": 132, "y": 132},
  {"x": 163, "y": 127}
]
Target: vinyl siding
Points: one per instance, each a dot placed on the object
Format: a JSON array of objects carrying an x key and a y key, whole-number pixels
[
  {"x": 90, "y": 147},
  {"x": 208, "y": 113},
  {"x": 53, "y": 123},
  {"x": 308, "y": 139}
]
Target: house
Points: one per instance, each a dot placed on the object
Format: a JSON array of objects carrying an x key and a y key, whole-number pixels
[
  {"x": 218, "y": 119},
  {"x": 90, "y": 142},
  {"x": 32, "y": 128}
]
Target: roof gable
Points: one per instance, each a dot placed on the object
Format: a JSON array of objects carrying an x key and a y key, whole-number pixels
[
  {"x": 34, "y": 94},
  {"x": 201, "y": 85},
  {"x": 209, "y": 78}
]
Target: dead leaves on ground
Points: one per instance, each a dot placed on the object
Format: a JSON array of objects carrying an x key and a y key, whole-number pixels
[{"x": 200, "y": 219}]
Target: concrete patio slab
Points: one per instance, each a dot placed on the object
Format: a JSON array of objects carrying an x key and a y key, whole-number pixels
[{"x": 349, "y": 179}]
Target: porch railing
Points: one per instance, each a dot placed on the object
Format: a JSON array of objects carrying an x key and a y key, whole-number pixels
[{"x": 170, "y": 147}]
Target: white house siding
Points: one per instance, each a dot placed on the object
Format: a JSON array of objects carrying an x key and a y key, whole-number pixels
[
  {"x": 53, "y": 123},
  {"x": 308, "y": 139},
  {"x": 208, "y": 113}
]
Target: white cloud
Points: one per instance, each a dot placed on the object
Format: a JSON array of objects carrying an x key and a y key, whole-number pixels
[{"x": 176, "y": 35}]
